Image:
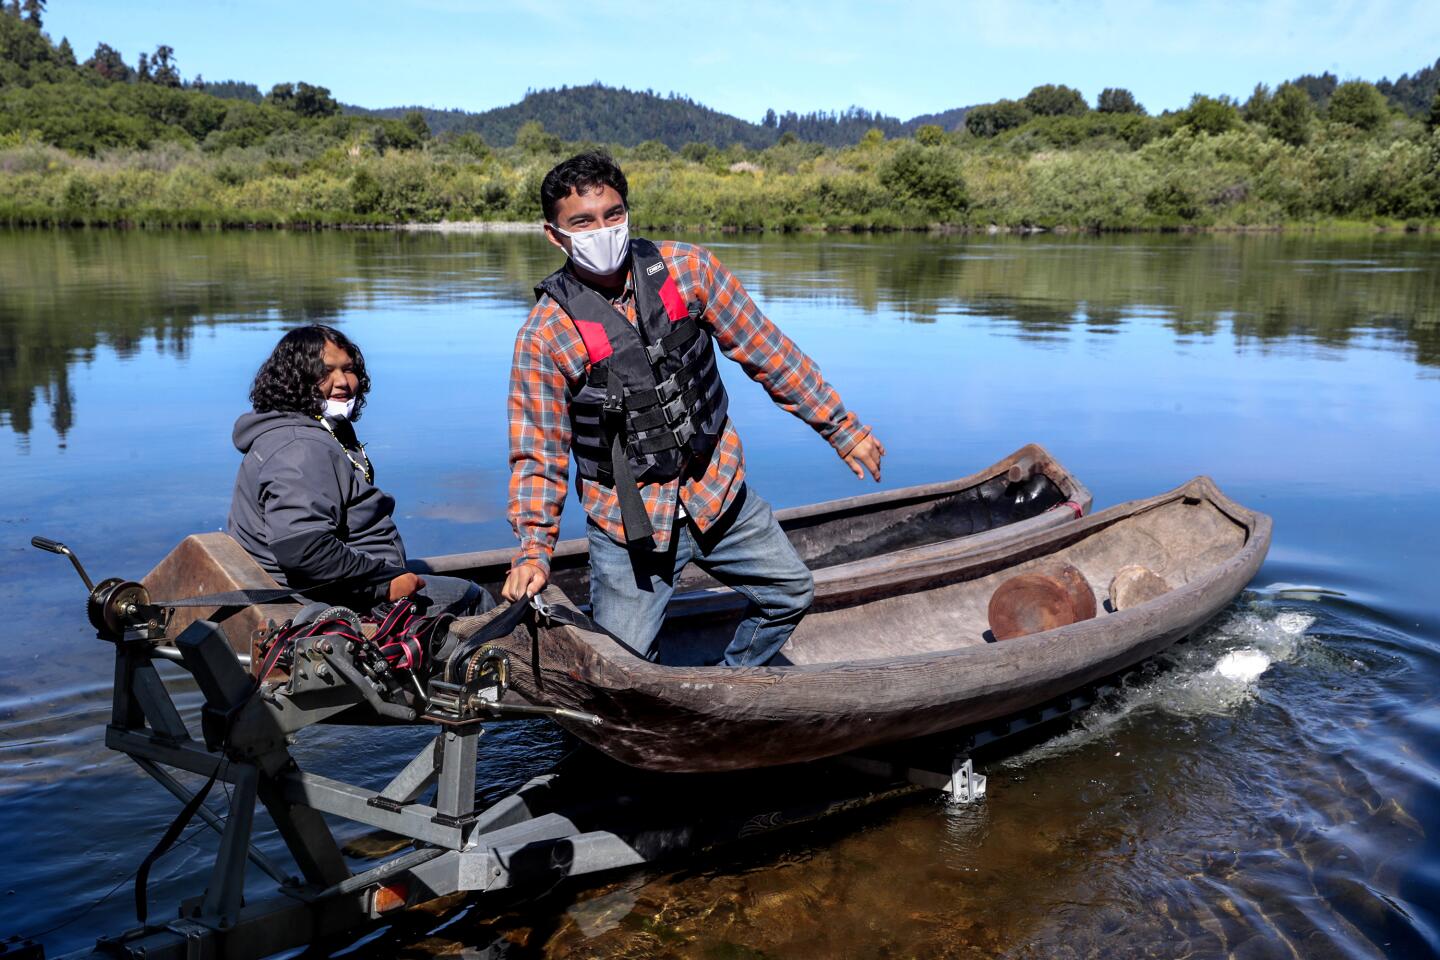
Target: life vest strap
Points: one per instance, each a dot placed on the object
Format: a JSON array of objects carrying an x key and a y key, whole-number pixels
[
  {"x": 634, "y": 519},
  {"x": 685, "y": 333}
]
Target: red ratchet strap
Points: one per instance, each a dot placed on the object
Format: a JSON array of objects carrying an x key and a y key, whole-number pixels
[
  {"x": 1079, "y": 510},
  {"x": 403, "y": 652},
  {"x": 394, "y": 637},
  {"x": 396, "y": 621}
]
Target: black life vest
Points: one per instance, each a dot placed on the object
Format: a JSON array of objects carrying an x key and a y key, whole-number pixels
[{"x": 651, "y": 402}]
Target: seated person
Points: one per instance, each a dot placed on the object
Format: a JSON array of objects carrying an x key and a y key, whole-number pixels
[{"x": 305, "y": 504}]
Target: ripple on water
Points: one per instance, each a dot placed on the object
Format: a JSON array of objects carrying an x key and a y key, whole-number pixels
[{"x": 1203, "y": 811}]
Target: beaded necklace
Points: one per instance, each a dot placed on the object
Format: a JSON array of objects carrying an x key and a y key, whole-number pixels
[{"x": 365, "y": 469}]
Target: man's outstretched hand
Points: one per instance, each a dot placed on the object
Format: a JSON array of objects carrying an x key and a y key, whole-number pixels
[
  {"x": 866, "y": 455},
  {"x": 525, "y": 580}
]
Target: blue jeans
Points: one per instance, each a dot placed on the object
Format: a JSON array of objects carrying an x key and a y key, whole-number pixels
[
  {"x": 439, "y": 595},
  {"x": 454, "y": 595},
  {"x": 746, "y": 551}
]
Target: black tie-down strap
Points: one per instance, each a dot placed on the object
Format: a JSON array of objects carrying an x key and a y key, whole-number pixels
[
  {"x": 536, "y": 612},
  {"x": 248, "y": 598},
  {"x": 187, "y": 812},
  {"x": 172, "y": 833},
  {"x": 502, "y": 624}
]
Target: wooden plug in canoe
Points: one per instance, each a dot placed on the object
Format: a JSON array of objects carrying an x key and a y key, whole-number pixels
[
  {"x": 1026, "y": 491},
  {"x": 895, "y": 645}
]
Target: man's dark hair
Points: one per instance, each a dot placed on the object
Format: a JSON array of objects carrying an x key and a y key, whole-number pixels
[
  {"x": 289, "y": 379},
  {"x": 581, "y": 174}
]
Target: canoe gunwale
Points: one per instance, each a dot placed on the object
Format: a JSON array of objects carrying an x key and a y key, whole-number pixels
[{"x": 491, "y": 564}]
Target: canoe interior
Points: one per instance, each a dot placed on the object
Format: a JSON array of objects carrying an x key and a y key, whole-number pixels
[
  {"x": 843, "y": 531},
  {"x": 1179, "y": 540},
  {"x": 845, "y": 536}
]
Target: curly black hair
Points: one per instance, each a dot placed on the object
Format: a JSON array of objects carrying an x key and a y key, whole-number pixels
[
  {"x": 581, "y": 174},
  {"x": 289, "y": 379}
]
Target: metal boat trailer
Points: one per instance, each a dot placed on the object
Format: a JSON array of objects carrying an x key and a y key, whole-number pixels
[{"x": 588, "y": 816}]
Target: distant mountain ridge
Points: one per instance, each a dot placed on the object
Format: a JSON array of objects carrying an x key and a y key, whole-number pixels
[{"x": 630, "y": 117}]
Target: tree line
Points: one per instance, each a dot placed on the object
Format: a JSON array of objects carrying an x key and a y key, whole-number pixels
[{"x": 104, "y": 142}]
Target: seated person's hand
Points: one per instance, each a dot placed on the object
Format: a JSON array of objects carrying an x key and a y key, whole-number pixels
[
  {"x": 405, "y": 585},
  {"x": 525, "y": 580}
]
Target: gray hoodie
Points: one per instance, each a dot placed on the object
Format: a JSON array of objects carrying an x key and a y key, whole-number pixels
[{"x": 305, "y": 512}]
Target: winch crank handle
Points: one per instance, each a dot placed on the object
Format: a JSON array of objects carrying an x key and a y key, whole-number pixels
[{"x": 55, "y": 546}]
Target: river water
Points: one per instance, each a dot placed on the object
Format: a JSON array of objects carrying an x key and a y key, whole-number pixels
[{"x": 1295, "y": 813}]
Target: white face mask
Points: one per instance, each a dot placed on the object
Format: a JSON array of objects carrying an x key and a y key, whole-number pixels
[
  {"x": 339, "y": 409},
  {"x": 601, "y": 252}
]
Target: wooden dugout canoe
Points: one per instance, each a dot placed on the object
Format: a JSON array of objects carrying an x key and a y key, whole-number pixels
[
  {"x": 895, "y": 645},
  {"x": 1028, "y": 490}
]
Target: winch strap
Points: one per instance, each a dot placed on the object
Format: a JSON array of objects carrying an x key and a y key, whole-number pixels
[
  {"x": 247, "y": 598},
  {"x": 502, "y": 625}
]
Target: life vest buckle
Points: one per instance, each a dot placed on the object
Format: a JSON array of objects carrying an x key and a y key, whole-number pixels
[
  {"x": 656, "y": 352},
  {"x": 614, "y": 404},
  {"x": 683, "y": 432},
  {"x": 674, "y": 410},
  {"x": 667, "y": 389}
]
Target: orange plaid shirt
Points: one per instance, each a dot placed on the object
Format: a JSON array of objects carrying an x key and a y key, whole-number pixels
[{"x": 550, "y": 360}]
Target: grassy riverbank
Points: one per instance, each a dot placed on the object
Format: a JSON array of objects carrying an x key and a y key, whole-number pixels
[
  {"x": 1187, "y": 179},
  {"x": 95, "y": 144}
]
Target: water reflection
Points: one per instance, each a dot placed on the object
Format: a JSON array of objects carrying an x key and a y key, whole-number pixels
[
  {"x": 63, "y": 295},
  {"x": 1296, "y": 813}
]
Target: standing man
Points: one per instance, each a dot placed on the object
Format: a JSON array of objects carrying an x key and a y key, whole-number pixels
[{"x": 616, "y": 367}]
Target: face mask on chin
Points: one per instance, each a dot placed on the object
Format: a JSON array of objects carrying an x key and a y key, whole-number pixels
[
  {"x": 339, "y": 409},
  {"x": 601, "y": 252}
]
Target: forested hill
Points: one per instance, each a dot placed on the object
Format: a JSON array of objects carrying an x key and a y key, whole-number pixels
[
  {"x": 629, "y": 117},
  {"x": 597, "y": 113}
]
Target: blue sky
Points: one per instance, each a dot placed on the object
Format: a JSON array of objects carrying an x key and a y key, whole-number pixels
[{"x": 742, "y": 56}]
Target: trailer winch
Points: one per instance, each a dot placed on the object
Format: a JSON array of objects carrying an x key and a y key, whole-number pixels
[{"x": 588, "y": 814}]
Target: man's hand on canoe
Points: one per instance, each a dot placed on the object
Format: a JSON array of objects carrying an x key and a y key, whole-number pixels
[
  {"x": 524, "y": 581},
  {"x": 866, "y": 454}
]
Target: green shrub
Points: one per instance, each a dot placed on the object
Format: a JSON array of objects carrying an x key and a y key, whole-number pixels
[
  {"x": 1173, "y": 200},
  {"x": 927, "y": 178},
  {"x": 365, "y": 192},
  {"x": 80, "y": 193},
  {"x": 931, "y": 135}
]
